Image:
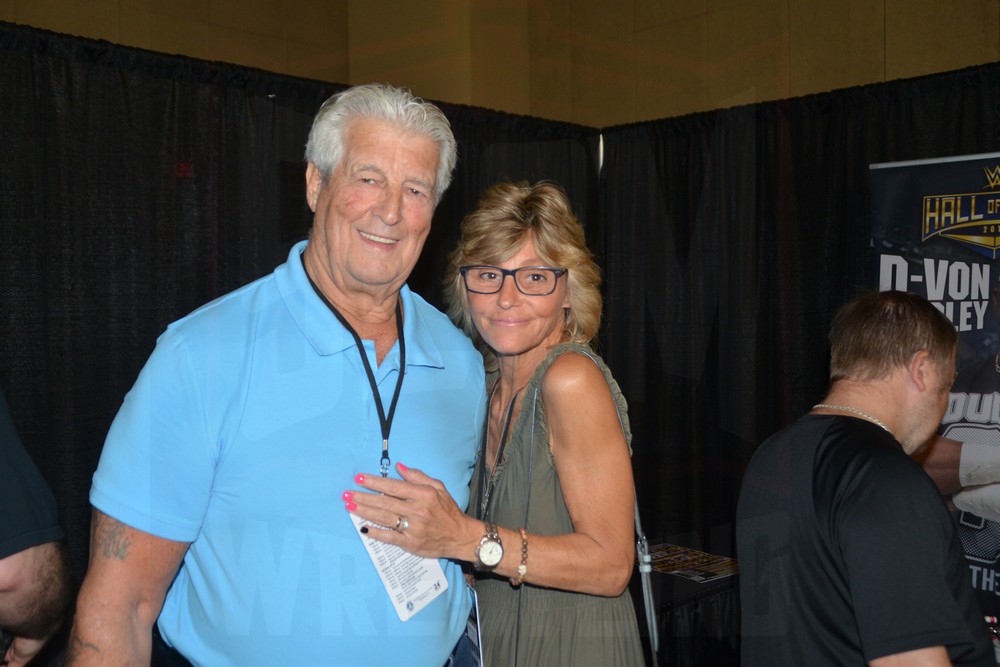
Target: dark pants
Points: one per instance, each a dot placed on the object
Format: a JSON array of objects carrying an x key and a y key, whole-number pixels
[
  {"x": 165, "y": 656},
  {"x": 464, "y": 655}
]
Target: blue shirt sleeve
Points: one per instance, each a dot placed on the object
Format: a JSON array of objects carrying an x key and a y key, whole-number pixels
[{"x": 157, "y": 465}]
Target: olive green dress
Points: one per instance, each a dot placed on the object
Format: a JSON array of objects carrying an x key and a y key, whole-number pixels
[{"x": 542, "y": 626}]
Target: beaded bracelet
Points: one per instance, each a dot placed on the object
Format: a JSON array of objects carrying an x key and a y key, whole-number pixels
[{"x": 522, "y": 569}]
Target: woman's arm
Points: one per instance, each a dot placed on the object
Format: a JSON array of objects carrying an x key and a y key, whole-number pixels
[{"x": 595, "y": 473}]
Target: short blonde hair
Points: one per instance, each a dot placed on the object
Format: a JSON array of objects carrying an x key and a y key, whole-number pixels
[
  {"x": 878, "y": 332},
  {"x": 506, "y": 216}
]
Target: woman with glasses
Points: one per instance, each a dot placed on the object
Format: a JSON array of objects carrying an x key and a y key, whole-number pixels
[{"x": 549, "y": 530}]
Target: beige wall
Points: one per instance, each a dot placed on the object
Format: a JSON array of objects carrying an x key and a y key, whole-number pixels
[{"x": 594, "y": 62}]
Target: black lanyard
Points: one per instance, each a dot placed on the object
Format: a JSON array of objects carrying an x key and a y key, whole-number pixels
[
  {"x": 485, "y": 479},
  {"x": 384, "y": 422}
]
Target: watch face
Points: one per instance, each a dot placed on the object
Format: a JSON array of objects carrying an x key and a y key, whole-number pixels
[{"x": 490, "y": 553}]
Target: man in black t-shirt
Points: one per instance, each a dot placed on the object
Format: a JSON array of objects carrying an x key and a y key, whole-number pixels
[
  {"x": 34, "y": 573},
  {"x": 847, "y": 553}
]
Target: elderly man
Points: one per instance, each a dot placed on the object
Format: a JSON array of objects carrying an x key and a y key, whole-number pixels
[
  {"x": 217, "y": 507},
  {"x": 847, "y": 552},
  {"x": 34, "y": 572}
]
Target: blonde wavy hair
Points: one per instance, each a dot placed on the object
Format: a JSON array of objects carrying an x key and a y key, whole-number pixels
[{"x": 508, "y": 214}]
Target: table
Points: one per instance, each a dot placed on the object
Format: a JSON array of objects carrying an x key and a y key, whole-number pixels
[{"x": 698, "y": 623}]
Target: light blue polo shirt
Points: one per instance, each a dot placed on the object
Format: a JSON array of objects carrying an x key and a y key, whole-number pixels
[{"x": 248, "y": 422}]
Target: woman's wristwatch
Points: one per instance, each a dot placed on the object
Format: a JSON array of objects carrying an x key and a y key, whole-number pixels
[{"x": 489, "y": 551}]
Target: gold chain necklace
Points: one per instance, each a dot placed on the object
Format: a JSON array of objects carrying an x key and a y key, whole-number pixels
[{"x": 860, "y": 413}]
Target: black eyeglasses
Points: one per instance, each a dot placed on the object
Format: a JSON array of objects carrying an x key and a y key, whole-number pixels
[{"x": 530, "y": 280}]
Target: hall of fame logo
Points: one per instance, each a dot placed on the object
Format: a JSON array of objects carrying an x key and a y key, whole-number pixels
[{"x": 969, "y": 218}]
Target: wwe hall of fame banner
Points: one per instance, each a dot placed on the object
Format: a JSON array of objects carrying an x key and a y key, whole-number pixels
[{"x": 936, "y": 232}]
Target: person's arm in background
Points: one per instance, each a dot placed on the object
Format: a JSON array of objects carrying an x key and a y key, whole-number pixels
[
  {"x": 34, "y": 596},
  {"x": 968, "y": 473},
  {"x": 940, "y": 460},
  {"x": 121, "y": 595}
]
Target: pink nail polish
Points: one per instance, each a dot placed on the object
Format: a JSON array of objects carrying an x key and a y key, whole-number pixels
[
  {"x": 351, "y": 507},
  {"x": 347, "y": 496},
  {"x": 359, "y": 478},
  {"x": 402, "y": 467}
]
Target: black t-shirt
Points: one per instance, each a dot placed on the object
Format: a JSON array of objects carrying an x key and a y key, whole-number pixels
[
  {"x": 973, "y": 415},
  {"x": 847, "y": 553},
  {"x": 28, "y": 513}
]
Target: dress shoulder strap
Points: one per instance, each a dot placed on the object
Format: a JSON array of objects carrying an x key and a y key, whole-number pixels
[{"x": 616, "y": 393}]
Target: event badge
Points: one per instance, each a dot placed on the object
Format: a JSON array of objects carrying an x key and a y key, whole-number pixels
[{"x": 411, "y": 581}]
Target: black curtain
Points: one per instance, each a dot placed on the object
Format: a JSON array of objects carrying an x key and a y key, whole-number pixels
[
  {"x": 135, "y": 187},
  {"x": 730, "y": 238}
]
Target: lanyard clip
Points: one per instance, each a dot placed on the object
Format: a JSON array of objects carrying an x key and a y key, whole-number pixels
[{"x": 384, "y": 466}]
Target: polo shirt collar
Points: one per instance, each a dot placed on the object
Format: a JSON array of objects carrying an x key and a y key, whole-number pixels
[{"x": 328, "y": 336}]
